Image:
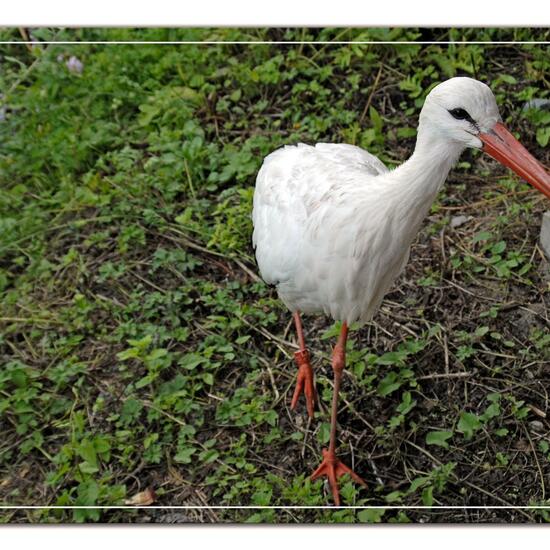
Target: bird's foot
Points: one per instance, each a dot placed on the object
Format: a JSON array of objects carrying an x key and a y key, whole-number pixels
[
  {"x": 304, "y": 382},
  {"x": 333, "y": 468}
]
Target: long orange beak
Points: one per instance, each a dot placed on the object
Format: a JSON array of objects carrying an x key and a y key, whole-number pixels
[{"x": 504, "y": 147}]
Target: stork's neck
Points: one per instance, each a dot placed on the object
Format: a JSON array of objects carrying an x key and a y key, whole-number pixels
[
  {"x": 428, "y": 167},
  {"x": 417, "y": 181}
]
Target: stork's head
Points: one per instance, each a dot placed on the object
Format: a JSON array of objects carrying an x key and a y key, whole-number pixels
[{"x": 463, "y": 112}]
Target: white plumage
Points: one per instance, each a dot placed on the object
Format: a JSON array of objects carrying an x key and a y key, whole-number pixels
[
  {"x": 333, "y": 226},
  {"x": 308, "y": 226}
]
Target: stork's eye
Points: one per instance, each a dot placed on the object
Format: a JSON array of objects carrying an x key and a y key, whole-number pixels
[{"x": 460, "y": 114}]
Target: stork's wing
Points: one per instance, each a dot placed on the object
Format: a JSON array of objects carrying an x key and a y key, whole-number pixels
[
  {"x": 294, "y": 184},
  {"x": 352, "y": 157}
]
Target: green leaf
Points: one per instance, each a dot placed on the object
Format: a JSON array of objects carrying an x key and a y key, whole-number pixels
[
  {"x": 156, "y": 354},
  {"x": 468, "y": 424},
  {"x": 324, "y": 433},
  {"x": 482, "y": 236},
  {"x": 208, "y": 456},
  {"x": 427, "y": 496},
  {"x": 389, "y": 384},
  {"x": 87, "y": 451},
  {"x": 236, "y": 95},
  {"x": 498, "y": 248},
  {"x": 191, "y": 360},
  {"x": 145, "y": 381},
  {"x": 271, "y": 417},
  {"x": 406, "y": 404},
  {"x": 502, "y": 459},
  {"x": 406, "y": 132},
  {"x": 102, "y": 444},
  {"x": 376, "y": 119},
  {"x": 88, "y": 492},
  {"x": 184, "y": 455},
  {"x": 143, "y": 343},
  {"x": 372, "y": 515},
  {"x": 481, "y": 331},
  {"x": 130, "y": 410},
  {"x": 255, "y": 518},
  {"x": 417, "y": 483},
  {"x": 187, "y": 430},
  {"x": 439, "y": 438},
  {"x": 88, "y": 468},
  {"x": 130, "y": 353},
  {"x": 508, "y": 78},
  {"x": 543, "y": 136},
  {"x": 394, "y": 496},
  {"x": 392, "y": 358},
  {"x": 262, "y": 497},
  {"x": 19, "y": 378},
  {"x": 492, "y": 411}
]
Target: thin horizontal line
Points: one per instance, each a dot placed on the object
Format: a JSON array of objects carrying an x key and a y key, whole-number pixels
[
  {"x": 297, "y": 507},
  {"x": 265, "y": 42}
]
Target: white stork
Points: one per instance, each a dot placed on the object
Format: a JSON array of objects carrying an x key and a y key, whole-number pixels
[{"x": 333, "y": 226}]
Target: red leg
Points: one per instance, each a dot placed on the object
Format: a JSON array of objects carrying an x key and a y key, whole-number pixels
[
  {"x": 331, "y": 466},
  {"x": 304, "y": 382}
]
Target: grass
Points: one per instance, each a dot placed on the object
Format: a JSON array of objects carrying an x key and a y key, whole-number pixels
[{"x": 139, "y": 348}]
